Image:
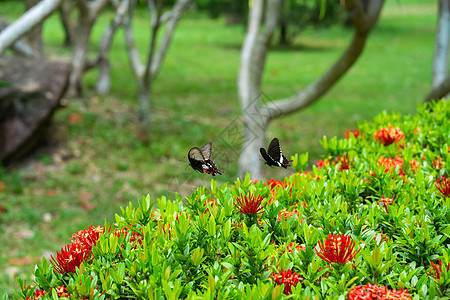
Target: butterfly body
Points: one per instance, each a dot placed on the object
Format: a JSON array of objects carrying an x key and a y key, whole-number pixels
[
  {"x": 200, "y": 160},
  {"x": 273, "y": 156}
]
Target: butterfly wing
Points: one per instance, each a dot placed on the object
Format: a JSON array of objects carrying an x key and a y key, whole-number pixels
[
  {"x": 196, "y": 159},
  {"x": 274, "y": 150},
  {"x": 210, "y": 168},
  {"x": 267, "y": 158},
  {"x": 286, "y": 162},
  {"x": 206, "y": 150}
]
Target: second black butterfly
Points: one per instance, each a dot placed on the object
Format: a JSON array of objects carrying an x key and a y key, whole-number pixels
[
  {"x": 200, "y": 160},
  {"x": 274, "y": 156}
]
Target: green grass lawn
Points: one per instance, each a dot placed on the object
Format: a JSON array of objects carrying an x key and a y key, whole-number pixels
[{"x": 92, "y": 168}]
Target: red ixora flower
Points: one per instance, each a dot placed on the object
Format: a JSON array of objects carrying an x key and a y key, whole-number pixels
[
  {"x": 249, "y": 204},
  {"x": 385, "y": 202},
  {"x": 344, "y": 160},
  {"x": 288, "y": 278},
  {"x": 443, "y": 185},
  {"x": 337, "y": 249},
  {"x": 438, "y": 163},
  {"x": 391, "y": 164},
  {"x": 389, "y": 135},
  {"x": 374, "y": 292},
  {"x": 77, "y": 251},
  {"x": 322, "y": 163},
  {"x": 436, "y": 270},
  {"x": 356, "y": 133},
  {"x": 88, "y": 237},
  {"x": 273, "y": 183},
  {"x": 291, "y": 247},
  {"x": 70, "y": 257}
]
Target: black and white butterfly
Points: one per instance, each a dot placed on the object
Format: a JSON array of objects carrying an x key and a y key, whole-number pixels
[
  {"x": 274, "y": 156},
  {"x": 200, "y": 160}
]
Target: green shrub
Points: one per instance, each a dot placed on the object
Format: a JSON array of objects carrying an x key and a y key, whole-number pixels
[{"x": 370, "y": 219}]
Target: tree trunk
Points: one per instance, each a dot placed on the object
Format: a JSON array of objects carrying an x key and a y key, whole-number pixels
[
  {"x": 442, "y": 40},
  {"x": 88, "y": 13},
  {"x": 104, "y": 79},
  {"x": 253, "y": 57},
  {"x": 440, "y": 91},
  {"x": 35, "y": 35},
  {"x": 254, "y": 51},
  {"x": 79, "y": 57},
  {"x": 26, "y": 22},
  {"x": 67, "y": 23},
  {"x": 20, "y": 47},
  {"x": 144, "y": 94}
]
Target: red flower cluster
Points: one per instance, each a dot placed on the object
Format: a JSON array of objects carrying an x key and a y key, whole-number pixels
[
  {"x": 391, "y": 164},
  {"x": 72, "y": 255},
  {"x": 389, "y": 135},
  {"x": 436, "y": 270},
  {"x": 383, "y": 237},
  {"x": 288, "y": 278},
  {"x": 414, "y": 165},
  {"x": 385, "y": 202},
  {"x": 208, "y": 202},
  {"x": 443, "y": 185},
  {"x": 438, "y": 163},
  {"x": 249, "y": 204},
  {"x": 345, "y": 162},
  {"x": 135, "y": 236},
  {"x": 374, "y": 292},
  {"x": 288, "y": 214},
  {"x": 322, "y": 163},
  {"x": 167, "y": 230},
  {"x": 61, "y": 291},
  {"x": 337, "y": 249},
  {"x": 356, "y": 133},
  {"x": 273, "y": 183},
  {"x": 291, "y": 247},
  {"x": 88, "y": 237}
]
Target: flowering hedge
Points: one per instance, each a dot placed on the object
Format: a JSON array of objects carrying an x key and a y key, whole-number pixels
[{"x": 369, "y": 221}]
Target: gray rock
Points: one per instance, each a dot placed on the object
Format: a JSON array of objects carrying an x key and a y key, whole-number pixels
[{"x": 32, "y": 93}]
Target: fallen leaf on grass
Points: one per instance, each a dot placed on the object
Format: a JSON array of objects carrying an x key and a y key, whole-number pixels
[
  {"x": 51, "y": 192},
  {"x": 23, "y": 260},
  {"x": 75, "y": 118},
  {"x": 87, "y": 205},
  {"x": 2, "y": 186},
  {"x": 2, "y": 209},
  {"x": 85, "y": 196}
]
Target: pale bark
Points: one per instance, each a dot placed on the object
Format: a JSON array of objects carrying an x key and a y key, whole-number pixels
[
  {"x": 442, "y": 40},
  {"x": 88, "y": 13},
  {"x": 20, "y": 47},
  {"x": 145, "y": 73},
  {"x": 67, "y": 22},
  {"x": 440, "y": 91},
  {"x": 252, "y": 63},
  {"x": 16, "y": 30},
  {"x": 35, "y": 35},
  {"x": 253, "y": 56},
  {"x": 104, "y": 80}
]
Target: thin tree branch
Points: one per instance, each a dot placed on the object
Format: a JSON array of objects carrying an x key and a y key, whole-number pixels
[
  {"x": 363, "y": 23},
  {"x": 20, "y": 47},
  {"x": 180, "y": 7},
  {"x": 440, "y": 91},
  {"x": 133, "y": 53},
  {"x": 26, "y": 22},
  {"x": 104, "y": 81}
]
